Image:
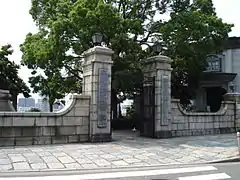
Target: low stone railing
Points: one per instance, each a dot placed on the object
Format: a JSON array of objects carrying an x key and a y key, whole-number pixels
[
  {"x": 202, "y": 123},
  {"x": 69, "y": 125}
]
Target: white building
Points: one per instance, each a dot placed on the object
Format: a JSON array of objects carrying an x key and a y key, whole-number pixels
[
  {"x": 222, "y": 75},
  {"x": 231, "y": 61}
]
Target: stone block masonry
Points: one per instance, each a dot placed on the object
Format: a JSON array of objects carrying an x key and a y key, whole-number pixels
[
  {"x": 97, "y": 75},
  {"x": 171, "y": 120},
  {"x": 70, "y": 125},
  {"x": 86, "y": 118},
  {"x": 202, "y": 123}
]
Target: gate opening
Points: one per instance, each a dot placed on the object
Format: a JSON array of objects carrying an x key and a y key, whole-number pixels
[{"x": 143, "y": 117}]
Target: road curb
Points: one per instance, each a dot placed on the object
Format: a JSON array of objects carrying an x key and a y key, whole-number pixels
[
  {"x": 62, "y": 172},
  {"x": 10, "y": 173},
  {"x": 229, "y": 160}
]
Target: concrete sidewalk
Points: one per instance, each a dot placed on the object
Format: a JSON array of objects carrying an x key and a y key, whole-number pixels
[{"x": 127, "y": 150}]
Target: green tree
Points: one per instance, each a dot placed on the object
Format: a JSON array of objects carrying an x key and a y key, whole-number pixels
[
  {"x": 41, "y": 54},
  {"x": 9, "y": 79},
  {"x": 68, "y": 25},
  {"x": 193, "y": 32}
]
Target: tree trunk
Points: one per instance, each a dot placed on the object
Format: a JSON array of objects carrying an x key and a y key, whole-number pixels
[
  {"x": 51, "y": 107},
  {"x": 119, "y": 110}
]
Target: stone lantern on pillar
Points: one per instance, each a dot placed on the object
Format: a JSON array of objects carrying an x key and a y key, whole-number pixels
[
  {"x": 97, "y": 39},
  {"x": 156, "y": 48}
]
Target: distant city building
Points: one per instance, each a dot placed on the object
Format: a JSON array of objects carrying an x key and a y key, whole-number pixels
[
  {"x": 26, "y": 102},
  {"x": 43, "y": 105}
]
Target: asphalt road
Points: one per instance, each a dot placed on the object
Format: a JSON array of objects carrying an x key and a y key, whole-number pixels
[{"x": 178, "y": 172}]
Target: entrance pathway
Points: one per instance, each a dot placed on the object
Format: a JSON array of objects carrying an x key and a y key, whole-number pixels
[{"x": 127, "y": 150}]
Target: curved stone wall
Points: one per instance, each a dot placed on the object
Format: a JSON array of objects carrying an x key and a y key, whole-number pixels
[
  {"x": 202, "y": 123},
  {"x": 71, "y": 124}
]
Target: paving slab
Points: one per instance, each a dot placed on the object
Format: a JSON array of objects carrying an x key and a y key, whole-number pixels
[
  {"x": 73, "y": 166},
  {"x": 39, "y": 166},
  {"x": 21, "y": 166},
  {"x": 127, "y": 150}
]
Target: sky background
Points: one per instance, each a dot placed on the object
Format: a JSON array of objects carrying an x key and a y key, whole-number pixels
[{"x": 16, "y": 22}]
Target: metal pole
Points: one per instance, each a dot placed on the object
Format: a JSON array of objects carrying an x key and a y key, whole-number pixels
[{"x": 238, "y": 140}]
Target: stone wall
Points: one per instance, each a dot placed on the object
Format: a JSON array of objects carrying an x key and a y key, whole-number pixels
[
  {"x": 202, "y": 123},
  {"x": 87, "y": 118},
  {"x": 70, "y": 125},
  {"x": 237, "y": 112},
  {"x": 170, "y": 120}
]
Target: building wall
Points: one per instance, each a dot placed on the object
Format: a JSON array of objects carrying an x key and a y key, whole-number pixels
[
  {"x": 236, "y": 67},
  {"x": 231, "y": 64}
]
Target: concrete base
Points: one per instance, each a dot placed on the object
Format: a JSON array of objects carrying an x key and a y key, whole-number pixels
[
  {"x": 163, "y": 134},
  {"x": 180, "y": 133},
  {"x": 101, "y": 138},
  {"x": 227, "y": 130},
  {"x": 203, "y": 132}
]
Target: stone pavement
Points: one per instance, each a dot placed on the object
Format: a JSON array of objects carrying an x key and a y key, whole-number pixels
[{"x": 126, "y": 150}]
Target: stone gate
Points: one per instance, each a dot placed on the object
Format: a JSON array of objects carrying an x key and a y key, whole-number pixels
[
  {"x": 87, "y": 117},
  {"x": 171, "y": 120}
]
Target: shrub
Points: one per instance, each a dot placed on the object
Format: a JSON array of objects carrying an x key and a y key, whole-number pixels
[{"x": 34, "y": 110}]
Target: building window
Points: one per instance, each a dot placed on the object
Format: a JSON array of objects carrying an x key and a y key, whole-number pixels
[{"x": 213, "y": 63}]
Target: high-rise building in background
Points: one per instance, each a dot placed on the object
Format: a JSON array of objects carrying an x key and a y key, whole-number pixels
[
  {"x": 25, "y": 104},
  {"x": 43, "y": 105}
]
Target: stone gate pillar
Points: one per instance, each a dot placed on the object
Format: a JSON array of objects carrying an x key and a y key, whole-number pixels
[
  {"x": 160, "y": 68},
  {"x": 97, "y": 69}
]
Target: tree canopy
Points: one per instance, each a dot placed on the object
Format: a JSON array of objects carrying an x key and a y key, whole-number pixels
[
  {"x": 193, "y": 32},
  {"x": 66, "y": 28},
  {"x": 42, "y": 53},
  {"x": 9, "y": 79}
]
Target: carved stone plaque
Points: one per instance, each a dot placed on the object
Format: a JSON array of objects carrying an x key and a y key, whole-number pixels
[
  {"x": 165, "y": 100},
  {"x": 103, "y": 95}
]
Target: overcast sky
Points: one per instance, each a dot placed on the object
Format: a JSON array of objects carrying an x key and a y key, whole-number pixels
[{"x": 16, "y": 23}]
